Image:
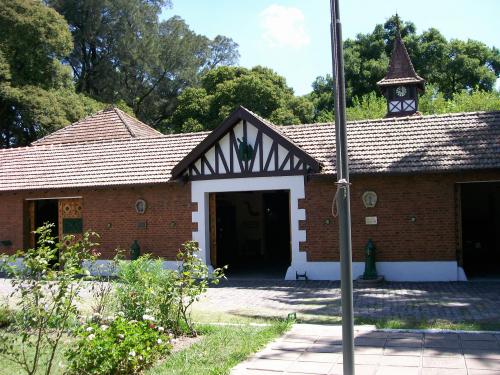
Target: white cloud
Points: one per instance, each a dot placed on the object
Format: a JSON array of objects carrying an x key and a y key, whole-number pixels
[{"x": 283, "y": 26}]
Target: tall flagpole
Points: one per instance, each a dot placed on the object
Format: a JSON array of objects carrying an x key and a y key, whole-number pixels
[{"x": 343, "y": 191}]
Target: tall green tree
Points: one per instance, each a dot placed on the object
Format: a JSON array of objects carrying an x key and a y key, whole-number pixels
[
  {"x": 123, "y": 52},
  {"x": 225, "y": 88},
  {"x": 36, "y": 90},
  {"x": 450, "y": 66}
]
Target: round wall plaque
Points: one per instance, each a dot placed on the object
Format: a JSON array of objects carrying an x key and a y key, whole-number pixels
[
  {"x": 140, "y": 206},
  {"x": 369, "y": 199}
]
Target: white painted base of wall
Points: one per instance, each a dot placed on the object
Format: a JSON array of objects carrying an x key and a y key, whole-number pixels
[
  {"x": 392, "y": 271},
  {"x": 107, "y": 268}
]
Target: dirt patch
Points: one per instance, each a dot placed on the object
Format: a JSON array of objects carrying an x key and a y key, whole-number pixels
[{"x": 184, "y": 342}]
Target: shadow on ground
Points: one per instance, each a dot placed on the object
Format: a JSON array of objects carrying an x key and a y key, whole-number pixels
[{"x": 316, "y": 301}]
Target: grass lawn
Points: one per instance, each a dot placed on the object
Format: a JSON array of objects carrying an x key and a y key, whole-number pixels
[
  {"x": 220, "y": 349},
  {"x": 225, "y": 317},
  {"x": 433, "y": 324}
]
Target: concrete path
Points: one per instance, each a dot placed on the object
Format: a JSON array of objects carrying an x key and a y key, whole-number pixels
[
  {"x": 318, "y": 300},
  {"x": 316, "y": 349}
]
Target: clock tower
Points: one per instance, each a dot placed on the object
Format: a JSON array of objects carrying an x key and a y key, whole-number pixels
[{"x": 401, "y": 85}]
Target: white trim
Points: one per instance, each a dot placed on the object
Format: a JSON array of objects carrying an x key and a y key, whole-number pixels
[
  {"x": 392, "y": 271},
  {"x": 103, "y": 267},
  {"x": 294, "y": 184},
  {"x": 42, "y": 199}
]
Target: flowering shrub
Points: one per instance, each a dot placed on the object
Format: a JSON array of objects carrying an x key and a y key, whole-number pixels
[
  {"x": 47, "y": 286},
  {"x": 145, "y": 287},
  {"x": 191, "y": 281},
  {"x": 117, "y": 346},
  {"x": 142, "y": 284}
]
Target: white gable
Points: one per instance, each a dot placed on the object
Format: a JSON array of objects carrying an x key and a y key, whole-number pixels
[{"x": 246, "y": 150}]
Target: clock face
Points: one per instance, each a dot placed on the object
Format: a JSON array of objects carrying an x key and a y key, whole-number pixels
[{"x": 401, "y": 91}]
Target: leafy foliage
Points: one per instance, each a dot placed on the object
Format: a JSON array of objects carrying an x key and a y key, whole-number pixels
[
  {"x": 36, "y": 90},
  {"x": 119, "y": 347},
  {"x": 7, "y": 316},
  {"x": 123, "y": 52},
  {"x": 146, "y": 289},
  {"x": 225, "y": 88},
  {"x": 435, "y": 102},
  {"x": 432, "y": 102},
  {"x": 449, "y": 66},
  {"x": 47, "y": 286}
]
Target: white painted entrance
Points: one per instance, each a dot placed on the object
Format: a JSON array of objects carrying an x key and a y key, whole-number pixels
[{"x": 200, "y": 191}]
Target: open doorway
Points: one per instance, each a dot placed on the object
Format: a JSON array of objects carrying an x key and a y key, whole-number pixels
[
  {"x": 252, "y": 233},
  {"x": 42, "y": 212},
  {"x": 480, "y": 210},
  {"x": 47, "y": 211}
]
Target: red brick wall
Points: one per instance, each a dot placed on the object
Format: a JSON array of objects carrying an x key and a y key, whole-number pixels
[
  {"x": 168, "y": 217},
  {"x": 430, "y": 198}
]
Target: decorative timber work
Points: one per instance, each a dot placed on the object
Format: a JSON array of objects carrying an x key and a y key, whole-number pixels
[
  {"x": 244, "y": 146},
  {"x": 70, "y": 218}
]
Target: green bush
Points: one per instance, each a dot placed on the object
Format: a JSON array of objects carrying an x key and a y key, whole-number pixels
[
  {"x": 144, "y": 288},
  {"x": 7, "y": 317},
  {"x": 119, "y": 347},
  {"x": 47, "y": 286}
]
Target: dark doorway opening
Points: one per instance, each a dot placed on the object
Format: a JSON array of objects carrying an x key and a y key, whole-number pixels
[
  {"x": 47, "y": 211},
  {"x": 253, "y": 233},
  {"x": 481, "y": 229}
]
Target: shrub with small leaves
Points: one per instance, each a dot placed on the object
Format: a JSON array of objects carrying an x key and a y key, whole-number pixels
[
  {"x": 145, "y": 287},
  {"x": 46, "y": 286},
  {"x": 117, "y": 346}
]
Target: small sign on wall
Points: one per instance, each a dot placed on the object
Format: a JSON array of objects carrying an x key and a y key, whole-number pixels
[{"x": 371, "y": 220}]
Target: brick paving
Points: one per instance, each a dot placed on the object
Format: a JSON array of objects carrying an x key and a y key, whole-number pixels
[
  {"x": 316, "y": 349},
  {"x": 452, "y": 301}
]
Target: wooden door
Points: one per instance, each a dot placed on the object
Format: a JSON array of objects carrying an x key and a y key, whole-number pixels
[{"x": 28, "y": 224}]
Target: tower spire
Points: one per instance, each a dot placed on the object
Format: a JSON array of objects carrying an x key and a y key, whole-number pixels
[
  {"x": 398, "y": 27},
  {"x": 401, "y": 84}
]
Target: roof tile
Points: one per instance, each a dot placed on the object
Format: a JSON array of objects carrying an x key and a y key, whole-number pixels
[
  {"x": 414, "y": 144},
  {"x": 108, "y": 124}
]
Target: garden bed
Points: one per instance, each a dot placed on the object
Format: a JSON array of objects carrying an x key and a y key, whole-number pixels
[{"x": 216, "y": 350}]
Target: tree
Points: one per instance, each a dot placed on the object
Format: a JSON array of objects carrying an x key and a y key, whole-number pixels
[
  {"x": 451, "y": 66},
  {"x": 432, "y": 102},
  {"x": 123, "y": 52},
  {"x": 225, "y": 88},
  {"x": 36, "y": 90}
]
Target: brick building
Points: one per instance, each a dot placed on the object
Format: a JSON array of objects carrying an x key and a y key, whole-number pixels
[{"x": 256, "y": 196}]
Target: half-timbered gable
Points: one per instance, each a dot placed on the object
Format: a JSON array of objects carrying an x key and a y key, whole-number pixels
[{"x": 245, "y": 146}]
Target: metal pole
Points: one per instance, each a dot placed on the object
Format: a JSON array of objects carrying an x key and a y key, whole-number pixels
[{"x": 343, "y": 191}]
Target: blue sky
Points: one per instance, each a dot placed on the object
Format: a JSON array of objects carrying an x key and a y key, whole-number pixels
[{"x": 293, "y": 38}]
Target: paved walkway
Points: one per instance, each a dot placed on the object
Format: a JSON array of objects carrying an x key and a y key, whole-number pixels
[
  {"x": 316, "y": 300},
  {"x": 316, "y": 349},
  {"x": 319, "y": 301}
]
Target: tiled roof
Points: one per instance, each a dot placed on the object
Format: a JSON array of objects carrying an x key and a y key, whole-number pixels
[
  {"x": 107, "y": 124},
  {"x": 417, "y": 144},
  {"x": 414, "y": 144},
  {"x": 98, "y": 163},
  {"x": 401, "y": 70}
]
